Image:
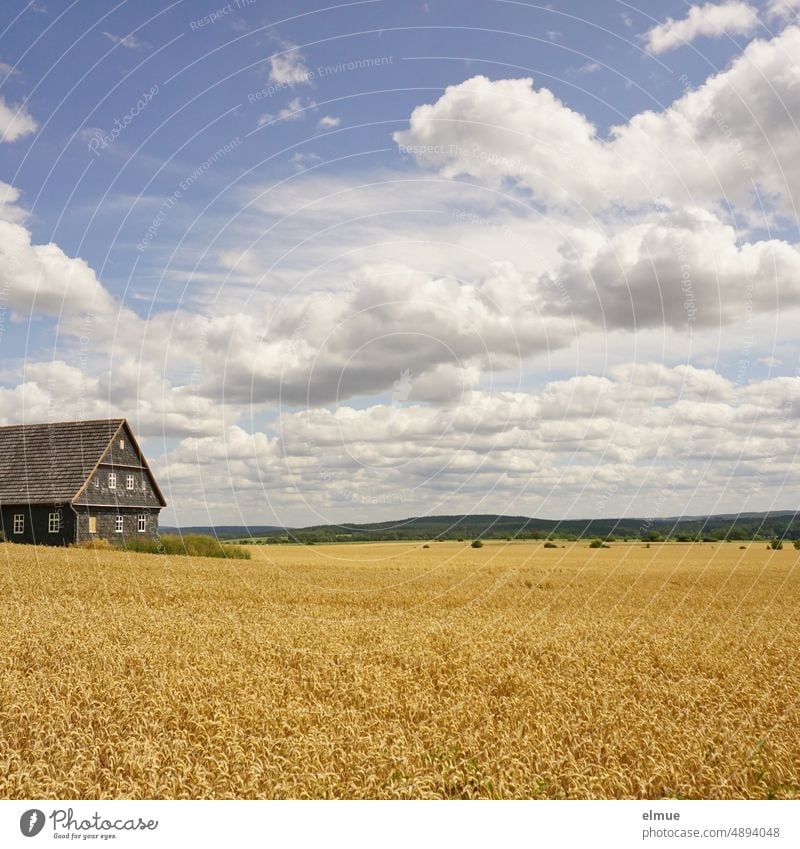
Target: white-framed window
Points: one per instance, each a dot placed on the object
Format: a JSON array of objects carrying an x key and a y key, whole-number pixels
[
  {"x": 54, "y": 522},
  {"x": 112, "y": 480},
  {"x": 129, "y": 482},
  {"x": 118, "y": 526},
  {"x": 96, "y": 482},
  {"x": 19, "y": 523},
  {"x": 142, "y": 523},
  {"x": 92, "y": 524},
  {"x": 122, "y": 444}
]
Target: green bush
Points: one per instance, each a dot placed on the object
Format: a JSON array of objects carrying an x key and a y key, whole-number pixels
[
  {"x": 99, "y": 544},
  {"x": 195, "y": 545},
  {"x": 476, "y": 543},
  {"x": 598, "y": 543},
  {"x": 549, "y": 544},
  {"x": 776, "y": 544}
]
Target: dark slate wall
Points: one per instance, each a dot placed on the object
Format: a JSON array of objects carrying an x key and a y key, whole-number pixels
[
  {"x": 37, "y": 522},
  {"x": 106, "y": 524},
  {"x": 141, "y": 495},
  {"x": 127, "y": 456}
]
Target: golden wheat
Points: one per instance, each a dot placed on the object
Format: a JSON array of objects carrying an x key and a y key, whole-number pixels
[{"x": 392, "y": 671}]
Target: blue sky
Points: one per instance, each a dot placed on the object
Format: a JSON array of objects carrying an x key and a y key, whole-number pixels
[{"x": 384, "y": 258}]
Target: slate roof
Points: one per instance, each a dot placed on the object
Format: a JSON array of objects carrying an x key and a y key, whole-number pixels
[{"x": 43, "y": 463}]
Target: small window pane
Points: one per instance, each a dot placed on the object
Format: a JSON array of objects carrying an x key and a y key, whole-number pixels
[
  {"x": 112, "y": 480},
  {"x": 142, "y": 524},
  {"x": 54, "y": 523},
  {"x": 119, "y": 524},
  {"x": 129, "y": 482},
  {"x": 19, "y": 523}
]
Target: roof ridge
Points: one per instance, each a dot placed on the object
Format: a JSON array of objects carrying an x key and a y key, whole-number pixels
[{"x": 117, "y": 420}]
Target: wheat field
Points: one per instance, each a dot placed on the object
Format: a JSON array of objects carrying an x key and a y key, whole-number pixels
[{"x": 396, "y": 671}]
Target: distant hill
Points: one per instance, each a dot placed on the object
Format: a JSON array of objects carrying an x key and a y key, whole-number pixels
[
  {"x": 226, "y": 531},
  {"x": 783, "y": 524}
]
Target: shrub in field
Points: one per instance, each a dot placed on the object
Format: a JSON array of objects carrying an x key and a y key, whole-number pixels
[
  {"x": 196, "y": 545},
  {"x": 797, "y": 543},
  {"x": 476, "y": 543},
  {"x": 776, "y": 544},
  {"x": 598, "y": 543},
  {"x": 96, "y": 545},
  {"x": 549, "y": 544}
]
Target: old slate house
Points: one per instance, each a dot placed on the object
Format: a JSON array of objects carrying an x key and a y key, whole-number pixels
[{"x": 68, "y": 482}]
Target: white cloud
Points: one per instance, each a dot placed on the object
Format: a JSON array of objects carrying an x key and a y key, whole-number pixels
[
  {"x": 711, "y": 19},
  {"x": 128, "y": 41},
  {"x": 42, "y": 279},
  {"x": 328, "y": 122},
  {"x": 301, "y": 161},
  {"x": 732, "y": 139},
  {"x": 295, "y": 109},
  {"x": 15, "y": 122},
  {"x": 507, "y": 130},
  {"x": 288, "y": 67},
  {"x": 679, "y": 269},
  {"x": 783, "y": 9},
  {"x": 645, "y": 434}
]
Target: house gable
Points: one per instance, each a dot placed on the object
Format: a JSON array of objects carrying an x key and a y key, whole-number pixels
[{"x": 123, "y": 458}]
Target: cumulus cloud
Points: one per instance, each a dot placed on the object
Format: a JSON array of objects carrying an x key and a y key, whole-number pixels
[
  {"x": 643, "y": 435},
  {"x": 324, "y": 347},
  {"x": 295, "y": 109},
  {"x": 783, "y": 9},
  {"x": 679, "y": 269},
  {"x": 288, "y": 67},
  {"x": 733, "y": 138},
  {"x": 15, "y": 122},
  {"x": 711, "y": 19},
  {"x": 506, "y": 130},
  {"x": 42, "y": 279}
]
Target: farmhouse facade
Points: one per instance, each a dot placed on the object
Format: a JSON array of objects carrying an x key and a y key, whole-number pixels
[{"x": 67, "y": 482}]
